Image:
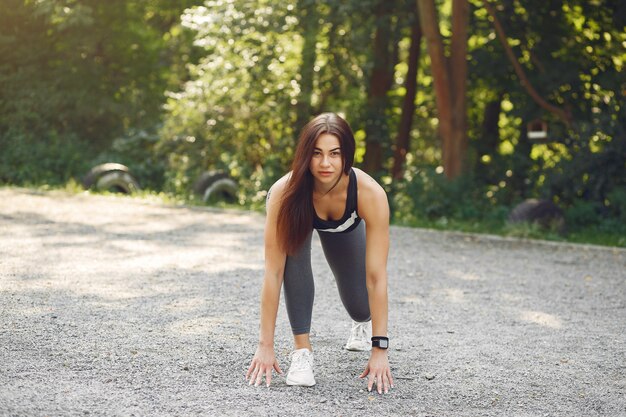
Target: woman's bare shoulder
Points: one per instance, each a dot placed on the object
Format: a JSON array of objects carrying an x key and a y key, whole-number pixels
[
  {"x": 368, "y": 185},
  {"x": 373, "y": 204},
  {"x": 278, "y": 187}
]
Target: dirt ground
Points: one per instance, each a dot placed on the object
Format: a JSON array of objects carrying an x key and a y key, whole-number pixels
[{"x": 117, "y": 306}]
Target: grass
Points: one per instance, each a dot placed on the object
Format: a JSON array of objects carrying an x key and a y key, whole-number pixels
[{"x": 585, "y": 235}]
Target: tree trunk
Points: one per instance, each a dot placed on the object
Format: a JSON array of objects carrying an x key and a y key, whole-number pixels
[
  {"x": 490, "y": 130},
  {"x": 309, "y": 29},
  {"x": 489, "y": 139},
  {"x": 522, "y": 163},
  {"x": 450, "y": 79},
  {"x": 458, "y": 79},
  {"x": 439, "y": 67},
  {"x": 408, "y": 104},
  {"x": 381, "y": 80}
]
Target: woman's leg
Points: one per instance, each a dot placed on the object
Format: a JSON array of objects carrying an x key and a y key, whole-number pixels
[
  {"x": 299, "y": 290},
  {"x": 345, "y": 253}
]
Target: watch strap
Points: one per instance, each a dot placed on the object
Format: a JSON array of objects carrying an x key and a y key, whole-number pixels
[{"x": 381, "y": 342}]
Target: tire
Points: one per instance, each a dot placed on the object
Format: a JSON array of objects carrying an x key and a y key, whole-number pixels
[
  {"x": 544, "y": 213},
  {"x": 213, "y": 186},
  {"x": 111, "y": 177}
]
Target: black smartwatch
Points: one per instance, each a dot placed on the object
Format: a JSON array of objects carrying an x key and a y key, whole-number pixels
[{"x": 380, "y": 342}]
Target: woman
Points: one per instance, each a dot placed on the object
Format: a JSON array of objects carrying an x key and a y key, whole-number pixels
[{"x": 324, "y": 192}]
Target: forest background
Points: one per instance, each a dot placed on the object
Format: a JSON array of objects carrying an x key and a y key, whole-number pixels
[{"x": 461, "y": 109}]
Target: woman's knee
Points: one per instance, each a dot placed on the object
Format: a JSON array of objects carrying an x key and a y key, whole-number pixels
[{"x": 359, "y": 314}]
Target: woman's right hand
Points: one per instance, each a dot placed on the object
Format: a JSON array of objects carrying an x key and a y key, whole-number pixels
[{"x": 262, "y": 364}]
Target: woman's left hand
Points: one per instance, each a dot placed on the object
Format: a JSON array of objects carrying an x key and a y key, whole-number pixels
[{"x": 378, "y": 371}]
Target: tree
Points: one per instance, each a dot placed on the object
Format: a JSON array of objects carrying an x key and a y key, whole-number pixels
[
  {"x": 563, "y": 114},
  {"x": 76, "y": 75},
  {"x": 237, "y": 111},
  {"x": 309, "y": 28},
  {"x": 450, "y": 80},
  {"x": 558, "y": 62},
  {"x": 408, "y": 102},
  {"x": 380, "y": 81}
]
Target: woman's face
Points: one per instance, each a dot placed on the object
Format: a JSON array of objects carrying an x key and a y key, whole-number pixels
[{"x": 327, "y": 162}]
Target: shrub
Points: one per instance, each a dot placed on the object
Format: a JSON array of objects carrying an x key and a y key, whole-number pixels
[{"x": 50, "y": 159}]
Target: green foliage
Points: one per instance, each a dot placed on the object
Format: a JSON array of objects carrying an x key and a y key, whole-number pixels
[
  {"x": 426, "y": 195},
  {"x": 585, "y": 216},
  {"x": 136, "y": 149},
  {"x": 76, "y": 76},
  {"x": 248, "y": 97},
  {"x": 426, "y": 199},
  {"x": 236, "y": 112},
  {"x": 228, "y": 84},
  {"x": 572, "y": 53},
  {"x": 616, "y": 205},
  {"x": 583, "y": 213},
  {"x": 32, "y": 159},
  {"x": 527, "y": 230}
]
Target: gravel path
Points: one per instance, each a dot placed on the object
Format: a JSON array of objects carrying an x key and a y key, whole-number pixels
[{"x": 115, "y": 306}]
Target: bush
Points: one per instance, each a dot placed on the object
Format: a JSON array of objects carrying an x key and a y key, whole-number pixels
[
  {"x": 136, "y": 150},
  {"x": 616, "y": 205},
  {"x": 426, "y": 195},
  {"x": 582, "y": 214},
  {"x": 49, "y": 159}
]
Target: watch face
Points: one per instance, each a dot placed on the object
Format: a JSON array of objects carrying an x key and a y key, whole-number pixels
[{"x": 384, "y": 344}]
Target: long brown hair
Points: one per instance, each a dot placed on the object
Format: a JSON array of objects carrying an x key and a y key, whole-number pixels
[{"x": 296, "y": 213}]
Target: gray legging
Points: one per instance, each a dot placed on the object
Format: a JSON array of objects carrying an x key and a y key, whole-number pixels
[{"x": 345, "y": 253}]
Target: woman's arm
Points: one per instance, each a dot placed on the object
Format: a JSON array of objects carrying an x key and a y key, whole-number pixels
[
  {"x": 265, "y": 359},
  {"x": 374, "y": 209}
]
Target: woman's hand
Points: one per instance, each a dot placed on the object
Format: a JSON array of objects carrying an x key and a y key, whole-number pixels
[
  {"x": 262, "y": 364},
  {"x": 378, "y": 371}
]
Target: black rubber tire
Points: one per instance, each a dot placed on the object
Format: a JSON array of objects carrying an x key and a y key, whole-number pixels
[
  {"x": 544, "y": 213},
  {"x": 111, "y": 177},
  {"x": 213, "y": 186}
]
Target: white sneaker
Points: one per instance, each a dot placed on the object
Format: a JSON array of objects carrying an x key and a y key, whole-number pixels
[
  {"x": 301, "y": 369},
  {"x": 360, "y": 336}
]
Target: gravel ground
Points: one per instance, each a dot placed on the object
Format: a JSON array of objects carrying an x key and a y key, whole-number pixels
[{"x": 115, "y": 306}]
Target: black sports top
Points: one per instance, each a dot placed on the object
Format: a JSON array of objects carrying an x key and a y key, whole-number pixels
[{"x": 350, "y": 218}]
